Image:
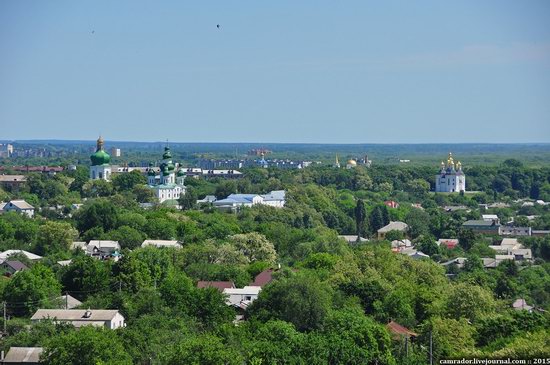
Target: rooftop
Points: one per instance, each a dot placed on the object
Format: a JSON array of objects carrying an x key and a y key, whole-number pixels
[
  {"x": 23, "y": 355},
  {"x": 75, "y": 314}
]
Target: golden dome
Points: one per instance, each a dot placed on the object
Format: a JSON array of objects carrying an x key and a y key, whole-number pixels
[{"x": 352, "y": 162}]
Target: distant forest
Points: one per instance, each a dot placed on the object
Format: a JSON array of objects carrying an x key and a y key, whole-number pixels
[{"x": 138, "y": 153}]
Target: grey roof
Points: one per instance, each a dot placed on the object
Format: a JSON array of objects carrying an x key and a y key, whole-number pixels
[
  {"x": 352, "y": 238},
  {"x": 9, "y": 178},
  {"x": 69, "y": 301},
  {"x": 21, "y": 204},
  {"x": 16, "y": 265},
  {"x": 394, "y": 226},
  {"x": 480, "y": 223},
  {"x": 31, "y": 256},
  {"x": 161, "y": 243},
  {"x": 75, "y": 314},
  {"x": 23, "y": 355}
]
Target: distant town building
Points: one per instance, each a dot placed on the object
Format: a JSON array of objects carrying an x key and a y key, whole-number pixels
[
  {"x": 115, "y": 152},
  {"x": 101, "y": 168},
  {"x": 275, "y": 199},
  {"x": 6, "y": 150},
  {"x": 450, "y": 178},
  {"x": 258, "y": 152},
  {"x": 168, "y": 185}
]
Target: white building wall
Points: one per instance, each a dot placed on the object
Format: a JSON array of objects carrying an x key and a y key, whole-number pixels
[{"x": 101, "y": 172}]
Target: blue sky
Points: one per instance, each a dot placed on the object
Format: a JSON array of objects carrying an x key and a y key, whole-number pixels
[{"x": 277, "y": 71}]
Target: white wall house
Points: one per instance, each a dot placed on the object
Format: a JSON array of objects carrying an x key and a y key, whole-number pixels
[
  {"x": 19, "y": 206},
  {"x": 450, "y": 178},
  {"x": 242, "y": 297},
  {"x": 108, "y": 318}
]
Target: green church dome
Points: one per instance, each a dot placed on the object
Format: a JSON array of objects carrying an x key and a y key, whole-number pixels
[
  {"x": 100, "y": 157},
  {"x": 181, "y": 173},
  {"x": 167, "y": 154}
]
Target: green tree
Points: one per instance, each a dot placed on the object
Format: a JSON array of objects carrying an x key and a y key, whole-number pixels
[
  {"x": 301, "y": 300},
  {"x": 127, "y": 181},
  {"x": 254, "y": 246},
  {"x": 360, "y": 217},
  {"x": 98, "y": 213},
  {"x": 87, "y": 346},
  {"x": 97, "y": 188},
  {"x": 203, "y": 349},
  {"x": 85, "y": 276},
  {"x": 31, "y": 289},
  {"x": 188, "y": 200},
  {"x": 55, "y": 237},
  {"x": 128, "y": 237}
]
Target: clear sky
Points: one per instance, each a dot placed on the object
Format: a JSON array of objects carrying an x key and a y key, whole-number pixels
[{"x": 276, "y": 71}]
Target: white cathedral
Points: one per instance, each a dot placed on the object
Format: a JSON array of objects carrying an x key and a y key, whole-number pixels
[
  {"x": 450, "y": 178},
  {"x": 167, "y": 185}
]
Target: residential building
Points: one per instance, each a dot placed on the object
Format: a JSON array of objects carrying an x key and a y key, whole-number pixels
[
  {"x": 399, "y": 332},
  {"x": 19, "y": 206},
  {"x": 451, "y": 178},
  {"x": 168, "y": 185},
  {"x": 197, "y": 172},
  {"x": 68, "y": 302},
  {"x": 22, "y": 355},
  {"x": 241, "y": 297},
  {"x": 400, "y": 245},
  {"x": 481, "y": 226},
  {"x": 115, "y": 152},
  {"x": 161, "y": 243},
  {"x": 12, "y": 182},
  {"x": 353, "y": 238},
  {"x": 490, "y": 218},
  {"x": 515, "y": 231},
  {"x": 103, "y": 249},
  {"x": 108, "y": 318},
  {"x": 12, "y": 267},
  {"x": 263, "y": 278},
  {"x": 6, "y": 149},
  {"x": 8, "y": 253},
  {"x": 392, "y": 226},
  {"x": 220, "y": 285},
  {"x": 521, "y": 304},
  {"x": 101, "y": 168},
  {"x": 450, "y": 243},
  {"x": 275, "y": 199}
]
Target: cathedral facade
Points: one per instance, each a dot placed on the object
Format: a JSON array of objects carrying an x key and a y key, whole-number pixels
[
  {"x": 168, "y": 184},
  {"x": 451, "y": 178}
]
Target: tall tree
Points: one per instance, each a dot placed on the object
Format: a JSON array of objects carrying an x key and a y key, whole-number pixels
[{"x": 360, "y": 217}]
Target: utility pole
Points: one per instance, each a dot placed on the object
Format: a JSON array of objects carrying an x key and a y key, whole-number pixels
[{"x": 431, "y": 349}]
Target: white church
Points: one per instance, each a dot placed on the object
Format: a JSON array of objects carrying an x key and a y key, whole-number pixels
[
  {"x": 450, "y": 178},
  {"x": 101, "y": 168},
  {"x": 167, "y": 185}
]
